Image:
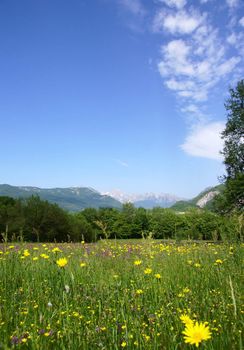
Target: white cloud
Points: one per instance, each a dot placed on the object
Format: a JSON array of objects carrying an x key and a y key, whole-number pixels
[
  {"x": 232, "y": 39},
  {"x": 122, "y": 163},
  {"x": 193, "y": 66},
  {"x": 175, "y": 3},
  {"x": 236, "y": 39},
  {"x": 180, "y": 22},
  {"x": 232, "y": 3},
  {"x": 241, "y": 21},
  {"x": 205, "y": 141},
  {"x": 194, "y": 114},
  {"x": 133, "y": 6},
  {"x": 228, "y": 66},
  {"x": 196, "y": 59}
]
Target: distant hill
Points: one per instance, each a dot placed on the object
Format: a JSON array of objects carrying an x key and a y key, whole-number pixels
[
  {"x": 71, "y": 198},
  {"x": 145, "y": 200},
  {"x": 203, "y": 200}
]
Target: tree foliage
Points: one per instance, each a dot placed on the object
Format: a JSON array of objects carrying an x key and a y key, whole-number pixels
[
  {"x": 36, "y": 220},
  {"x": 232, "y": 198}
]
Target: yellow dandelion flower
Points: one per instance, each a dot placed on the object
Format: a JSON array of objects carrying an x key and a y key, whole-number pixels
[
  {"x": 139, "y": 291},
  {"x": 26, "y": 253},
  {"x": 186, "y": 319},
  {"x": 137, "y": 262},
  {"x": 219, "y": 261},
  {"x": 157, "y": 275},
  {"x": 194, "y": 334},
  {"x": 44, "y": 256},
  {"x": 82, "y": 264},
  {"x": 123, "y": 344},
  {"x": 62, "y": 262},
  {"x": 147, "y": 271},
  {"x": 56, "y": 250}
]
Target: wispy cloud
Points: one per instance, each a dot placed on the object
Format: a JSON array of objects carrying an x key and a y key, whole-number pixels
[
  {"x": 192, "y": 63},
  {"x": 241, "y": 21},
  {"x": 191, "y": 67},
  {"x": 122, "y": 163},
  {"x": 179, "y": 22},
  {"x": 133, "y": 6},
  {"x": 174, "y": 3},
  {"x": 205, "y": 141},
  {"x": 232, "y": 3}
]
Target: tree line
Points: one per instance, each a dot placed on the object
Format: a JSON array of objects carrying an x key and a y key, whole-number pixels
[{"x": 36, "y": 220}]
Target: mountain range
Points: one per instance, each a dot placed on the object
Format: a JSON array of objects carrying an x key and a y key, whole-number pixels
[
  {"x": 147, "y": 200},
  {"x": 71, "y": 198},
  {"x": 78, "y": 198},
  {"x": 203, "y": 200}
]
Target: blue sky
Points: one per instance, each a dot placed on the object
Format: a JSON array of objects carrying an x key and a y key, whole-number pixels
[{"x": 117, "y": 94}]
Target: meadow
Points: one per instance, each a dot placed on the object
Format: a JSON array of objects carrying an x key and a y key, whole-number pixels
[{"x": 141, "y": 294}]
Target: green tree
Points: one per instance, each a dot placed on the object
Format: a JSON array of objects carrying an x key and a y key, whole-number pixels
[
  {"x": 233, "y": 152},
  {"x": 233, "y": 133}
]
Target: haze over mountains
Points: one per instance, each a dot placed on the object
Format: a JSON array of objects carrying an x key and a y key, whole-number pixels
[
  {"x": 78, "y": 198},
  {"x": 146, "y": 200}
]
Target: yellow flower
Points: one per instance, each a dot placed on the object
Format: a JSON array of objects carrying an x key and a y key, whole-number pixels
[
  {"x": 123, "y": 344},
  {"x": 197, "y": 265},
  {"x": 82, "y": 264},
  {"x": 26, "y": 252},
  {"x": 194, "y": 334},
  {"x": 157, "y": 275},
  {"x": 62, "y": 262},
  {"x": 139, "y": 291},
  {"x": 147, "y": 271},
  {"x": 186, "y": 319},
  {"x": 56, "y": 250},
  {"x": 219, "y": 261},
  {"x": 44, "y": 256},
  {"x": 137, "y": 262}
]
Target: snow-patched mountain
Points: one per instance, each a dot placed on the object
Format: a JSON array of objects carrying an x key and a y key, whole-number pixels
[
  {"x": 146, "y": 200},
  {"x": 202, "y": 200}
]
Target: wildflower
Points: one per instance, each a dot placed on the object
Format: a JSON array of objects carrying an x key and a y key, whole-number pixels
[
  {"x": 139, "y": 291},
  {"x": 194, "y": 334},
  {"x": 186, "y": 319},
  {"x": 49, "y": 304},
  {"x": 14, "y": 340},
  {"x": 157, "y": 275},
  {"x": 218, "y": 261},
  {"x": 197, "y": 265},
  {"x": 82, "y": 264},
  {"x": 137, "y": 262},
  {"x": 147, "y": 271},
  {"x": 44, "y": 256},
  {"x": 56, "y": 250},
  {"x": 123, "y": 344},
  {"x": 62, "y": 262},
  {"x": 26, "y": 253}
]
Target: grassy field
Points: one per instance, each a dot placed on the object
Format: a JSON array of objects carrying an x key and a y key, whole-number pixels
[{"x": 121, "y": 295}]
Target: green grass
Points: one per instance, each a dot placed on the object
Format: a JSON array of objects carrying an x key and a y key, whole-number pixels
[{"x": 111, "y": 303}]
